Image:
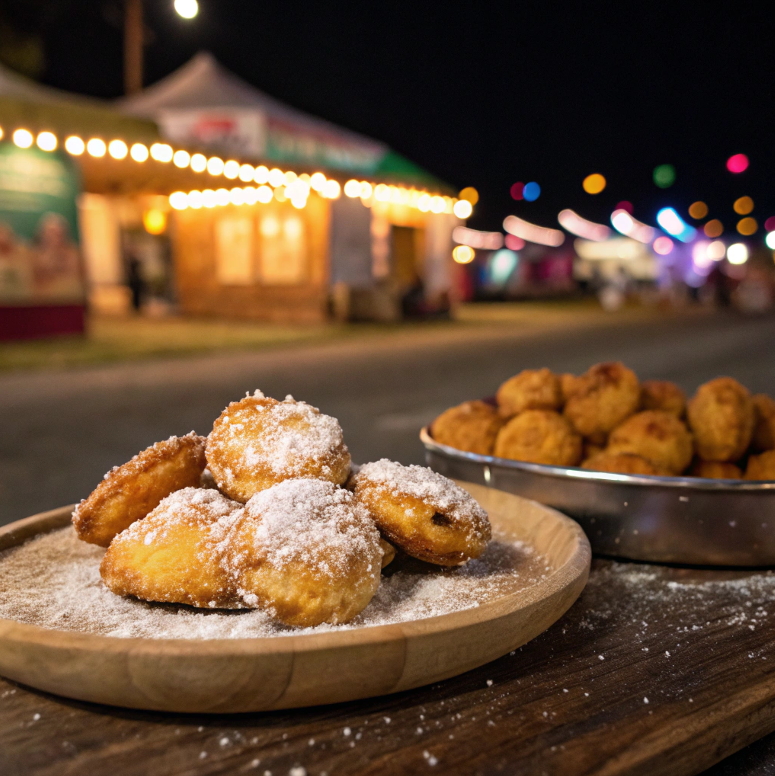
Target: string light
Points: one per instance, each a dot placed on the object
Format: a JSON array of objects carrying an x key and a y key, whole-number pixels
[
  {"x": 181, "y": 159},
  {"x": 47, "y": 141},
  {"x": 231, "y": 169},
  {"x": 74, "y": 145},
  {"x": 246, "y": 173},
  {"x": 198, "y": 162},
  {"x": 96, "y": 147},
  {"x": 118, "y": 149},
  {"x": 139, "y": 152},
  {"x": 161, "y": 152},
  {"x": 463, "y": 254},
  {"x": 462, "y": 208},
  {"x": 215, "y": 165},
  {"x": 23, "y": 138}
]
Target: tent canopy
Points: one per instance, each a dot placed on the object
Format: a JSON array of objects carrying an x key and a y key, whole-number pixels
[{"x": 202, "y": 103}]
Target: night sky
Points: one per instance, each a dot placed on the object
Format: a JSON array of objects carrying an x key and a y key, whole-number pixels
[{"x": 487, "y": 95}]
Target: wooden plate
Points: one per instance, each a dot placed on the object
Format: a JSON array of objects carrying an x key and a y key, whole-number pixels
[{"x": 239, "y": 675}]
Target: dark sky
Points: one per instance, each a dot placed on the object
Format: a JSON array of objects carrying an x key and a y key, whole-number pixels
[{"x": 485, "y": 94}]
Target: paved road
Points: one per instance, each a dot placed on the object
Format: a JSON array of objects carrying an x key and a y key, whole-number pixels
[{"x": 62, "y": 430}]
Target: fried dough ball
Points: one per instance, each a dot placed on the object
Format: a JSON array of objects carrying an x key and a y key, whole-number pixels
[
  {"x": 764, "y": 425},
  {"x": 620, "y": 463},
  {"x": 657, "y": 436},
  {"x": 567, "y": 386},
  {"x": 178, "y": 553},
  {"x": 424, "y": 514},
  {"x": 531, "y": 389},
  {"x": 539, "y": 436},
  {"x": 663, "y": 395},
  {"x": 129, "y": 492},
  {"x": 388, "y": 552},
  {"x": 715, "y": 470},
  {"x": 601, "y": 399},
  {"x": 258, "y": 442},
  {"x": 721, "y": 415},
  {"x": 471, "y": 426},
  {"x": 308, "y": 552},
  {"x": 588, "y": 450},
  {"x": 761, "y": 467}
]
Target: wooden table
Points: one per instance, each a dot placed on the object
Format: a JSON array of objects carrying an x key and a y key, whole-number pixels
[{"x": 654, "y": 671}]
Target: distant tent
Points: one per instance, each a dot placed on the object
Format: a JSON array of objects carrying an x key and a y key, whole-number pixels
[{"x": 204, "y": 104}]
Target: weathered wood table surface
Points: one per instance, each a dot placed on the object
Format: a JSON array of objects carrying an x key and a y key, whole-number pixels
[{"x": 654, "y": 671}]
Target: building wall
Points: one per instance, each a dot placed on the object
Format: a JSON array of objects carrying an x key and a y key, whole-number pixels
[{"x": 265, "y": 262}]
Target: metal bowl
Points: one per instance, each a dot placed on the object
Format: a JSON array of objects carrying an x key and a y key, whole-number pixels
[{"x": 683, "y": 520}]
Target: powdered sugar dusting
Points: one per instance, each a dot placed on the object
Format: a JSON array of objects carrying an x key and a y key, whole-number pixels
[
  {"x": 53, "y": 581},
  {"x": 311, "y": 522}
]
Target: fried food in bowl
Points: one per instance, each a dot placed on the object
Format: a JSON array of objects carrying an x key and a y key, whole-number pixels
[
  {"x": 423, "y": 513},
  {"x": 129, "y": 492},
  {"x": 471, "y": 427},
  {"x": 258, "y": 442},
  {"x": 663, "y": 395},
  {"x": 764, "y": 422},
  {"x": 178, "y": 553},
  {"x": 601, "y": 399},
  {"x": 567, "y": 386},
  {"x": 715, "y": 470},
  {"x": 761, "y": 467},
  {"x": 721, "y": 416},
  {"x": 620, "y": 463},
  {"x": 531, "y": 389},
  {"x": 539, "y": 436},
  {"x": 657, "y": 436},
  {"x": 308, "y": 552}
]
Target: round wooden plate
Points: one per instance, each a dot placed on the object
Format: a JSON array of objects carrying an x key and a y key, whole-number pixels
[{"x": 239, "y": 675}]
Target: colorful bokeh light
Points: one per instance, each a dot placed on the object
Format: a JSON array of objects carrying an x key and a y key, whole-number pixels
[
  {"x": 769, "y": 224},
  {"x": 713, "y": 228},
  {"x": 737, "y": 163},
  {"x": 663, "y": 246},
  {"x": 626, "y": 206},
  {"x": 698, "y": 210},
  {"x": 664, "y": 175},
  {"x": 594, "y": 184},
  {"x": 469, "y": 194},
  {"x": 514, "y": 243},
  {"x": 743, "y": 206},
  {"x": 747, "y": 226},
  {"x": 770, "y": 240},
  {"x": 517, "y": 190},
  {"x": 531, "y": 192},
  {"x": 462, "y": 254}
]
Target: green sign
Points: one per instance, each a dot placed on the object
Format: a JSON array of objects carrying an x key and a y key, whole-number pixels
[{"x": 40, "y": 261}]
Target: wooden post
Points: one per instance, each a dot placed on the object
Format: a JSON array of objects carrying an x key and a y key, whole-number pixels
[{"x": 133, "y": 46}]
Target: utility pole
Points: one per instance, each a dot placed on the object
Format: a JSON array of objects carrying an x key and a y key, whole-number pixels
[{"x": 133, "y": 46}]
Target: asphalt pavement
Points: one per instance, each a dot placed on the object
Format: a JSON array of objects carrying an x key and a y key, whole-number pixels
[{"x": 61, "y": 431}]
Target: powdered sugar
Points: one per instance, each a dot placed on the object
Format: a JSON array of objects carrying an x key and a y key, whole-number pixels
[{"x": 53, "y": 581}]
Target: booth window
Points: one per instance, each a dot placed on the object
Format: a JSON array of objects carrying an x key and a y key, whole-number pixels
[
  {"x": 283, "y": 250},
  {"x": 234, "y": 251}
]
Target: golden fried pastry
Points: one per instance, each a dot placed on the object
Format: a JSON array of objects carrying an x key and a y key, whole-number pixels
[
  {"x": 657, "y": 436},
  {"x": 567, "y": 386},
  {"x": 761, "y": 467},
  {"x": 258, "y": 442},
  {"x": 471, "y": 426},
  {"x": 539, "y": 436},
  {"x": 531, "y": 389},
  {"x": 424, "y": 514},
  {"x": 129, "y": 492},
  {"x": 388, "y": 552},
  {"x": 308, "y": 552},
  {"x": 715, "y": 470},
  {"x": 721, "y": 416},
  {"x": 620, "y": 463},
  {"x": 601, "y": 399},
  {"x": 764, "y": 424},
  {"x": 663, "y": 395},
  {"x": 178, "y": 553},
  {"x": 588, "y": 450}
]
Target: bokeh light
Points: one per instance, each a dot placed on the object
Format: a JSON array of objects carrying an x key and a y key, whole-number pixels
[
  {"x": 462, "y": 208},
  {"x": 514, "y": 243},
  {"x": 747, "y": 226},
  {"x": 502, "y": 265},
  {"x": 23, "y": 138},
  {"x": 517, "y": 190},
  {"x": 737, "y": 253},
  {"x": 626, "y": 206},
  {"x": 770, "y": 240},
  {"x": 664, "y": 175},
  {"x": 96, "y": 147},
  {"x": 198, "y": 162},
  {"x": 463, "y": 254},
  {"x": 139, "y": 152},
  {"x": 188, "y": 9},
  {"x": 674, "y": 225},
  {"x": 717, "y": 250},
  {"x": 155, "y": 221},
  {"x": 713, "y": 228},
  {"x": 352, "y": 188},
  {"x": 769, "y": 224},
  {"x": 469, "y": 194},
  {"x": 594, "y": 184},
  {"x": 737, "y": 163},
  {"x": 743, "y": 206},
  {"x": 698, "y": 210},
  {"x": 663, "y": 246},
  {"x": 47, "y": 141},
  {"x": 74, "y": 145},
  {"x": 118, "y": 149},
  {"x": 531, "y": 192}
]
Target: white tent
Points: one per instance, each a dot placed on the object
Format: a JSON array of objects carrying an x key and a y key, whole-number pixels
[
  {"x": 18, "y": 87},
  {"x": 204, "y": 104}
]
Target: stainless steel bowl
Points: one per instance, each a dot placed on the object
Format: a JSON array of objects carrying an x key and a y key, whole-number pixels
[{"x": 661, "y": 519}]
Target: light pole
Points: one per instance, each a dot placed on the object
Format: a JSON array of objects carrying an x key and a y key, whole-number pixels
[{"x": 133, "y": 39}]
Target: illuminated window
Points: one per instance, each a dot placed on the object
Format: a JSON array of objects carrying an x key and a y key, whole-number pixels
[
  {"x": 234, "y": 251},
  {"x": 283, "y": 250}
]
